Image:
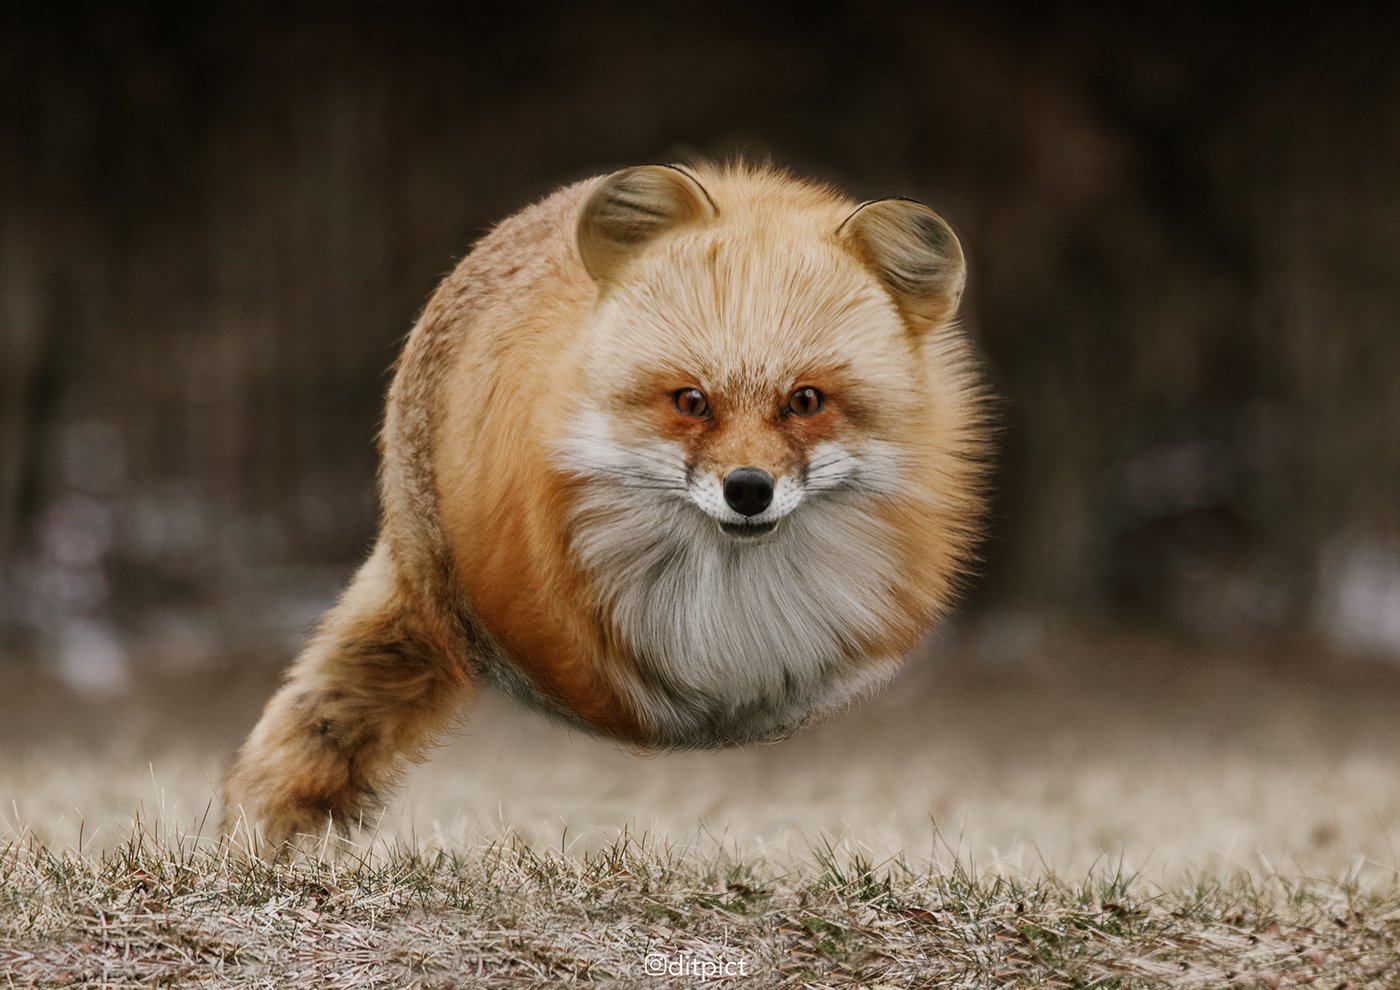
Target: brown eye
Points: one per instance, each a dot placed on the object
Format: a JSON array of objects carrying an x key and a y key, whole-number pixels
[
  {"x": 806, "y": 401},
  {"x": 691, "y": 402}
]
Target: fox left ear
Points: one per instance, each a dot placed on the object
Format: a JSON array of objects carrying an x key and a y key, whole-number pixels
[
  {"x": 913, "y": 252},
  {"x": 630, "y": 209}
]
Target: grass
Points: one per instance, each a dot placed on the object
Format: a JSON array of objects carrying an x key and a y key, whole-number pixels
[
  {"x": 165, "y": 909},
  {"x": 1115, "y": 819}
]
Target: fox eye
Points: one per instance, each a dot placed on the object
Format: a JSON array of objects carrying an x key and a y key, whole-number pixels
[
  {"x": 691, "y": 402},
  {"x": 806, "y": 401}
]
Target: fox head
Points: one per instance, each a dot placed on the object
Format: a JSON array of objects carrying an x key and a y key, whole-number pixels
[
  {"x": 774, "y": 403},
  {"x": 754, "y": 355}
]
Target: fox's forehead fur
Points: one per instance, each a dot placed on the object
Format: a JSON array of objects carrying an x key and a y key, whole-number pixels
[{"x": 739, "y": 317}]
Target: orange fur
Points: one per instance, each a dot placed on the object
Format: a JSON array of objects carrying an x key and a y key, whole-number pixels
[{"x": 612, "y": 295}]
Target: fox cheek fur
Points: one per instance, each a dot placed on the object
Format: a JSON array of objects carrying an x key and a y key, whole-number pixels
[{"x": 685, "y": 458}]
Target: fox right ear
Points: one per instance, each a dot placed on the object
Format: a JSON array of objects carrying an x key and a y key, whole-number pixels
[
  {"x": 630, "y": 209},
  {"x": 914, "y": 252}
]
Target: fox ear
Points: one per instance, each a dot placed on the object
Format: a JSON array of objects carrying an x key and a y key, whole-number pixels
[
  {"x": 632, "y": 207},
  {"x": 913, "y": 252}
]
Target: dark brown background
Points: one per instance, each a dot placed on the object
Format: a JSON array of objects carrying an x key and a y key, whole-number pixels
[{"x": 217, "y": 224}]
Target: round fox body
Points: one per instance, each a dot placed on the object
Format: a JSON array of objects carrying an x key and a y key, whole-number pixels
[{"x": 684, "y": 457}]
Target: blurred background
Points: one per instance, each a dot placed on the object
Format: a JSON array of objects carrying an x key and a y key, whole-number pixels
[{"x": 217, "y": 223}]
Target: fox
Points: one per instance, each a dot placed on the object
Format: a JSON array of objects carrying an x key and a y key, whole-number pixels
[{"x": 683, "y": 456}]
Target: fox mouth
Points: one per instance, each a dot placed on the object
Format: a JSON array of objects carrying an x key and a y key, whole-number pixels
[{"x": 748, "y": 530}]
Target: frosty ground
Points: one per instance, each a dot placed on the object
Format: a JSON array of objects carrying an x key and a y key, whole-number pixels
[{"x": 1092, "y": 810}]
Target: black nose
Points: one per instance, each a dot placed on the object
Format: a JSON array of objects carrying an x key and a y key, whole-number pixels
[{"x": 748, "y": 490}]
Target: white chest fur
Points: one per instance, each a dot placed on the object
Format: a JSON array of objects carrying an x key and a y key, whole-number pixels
[{"x": 738, "y": 641}]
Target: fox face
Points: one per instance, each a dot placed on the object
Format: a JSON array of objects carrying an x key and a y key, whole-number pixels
[
  {"x": 745, "y": 447},
  {"x": 760, "y": 408}
]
